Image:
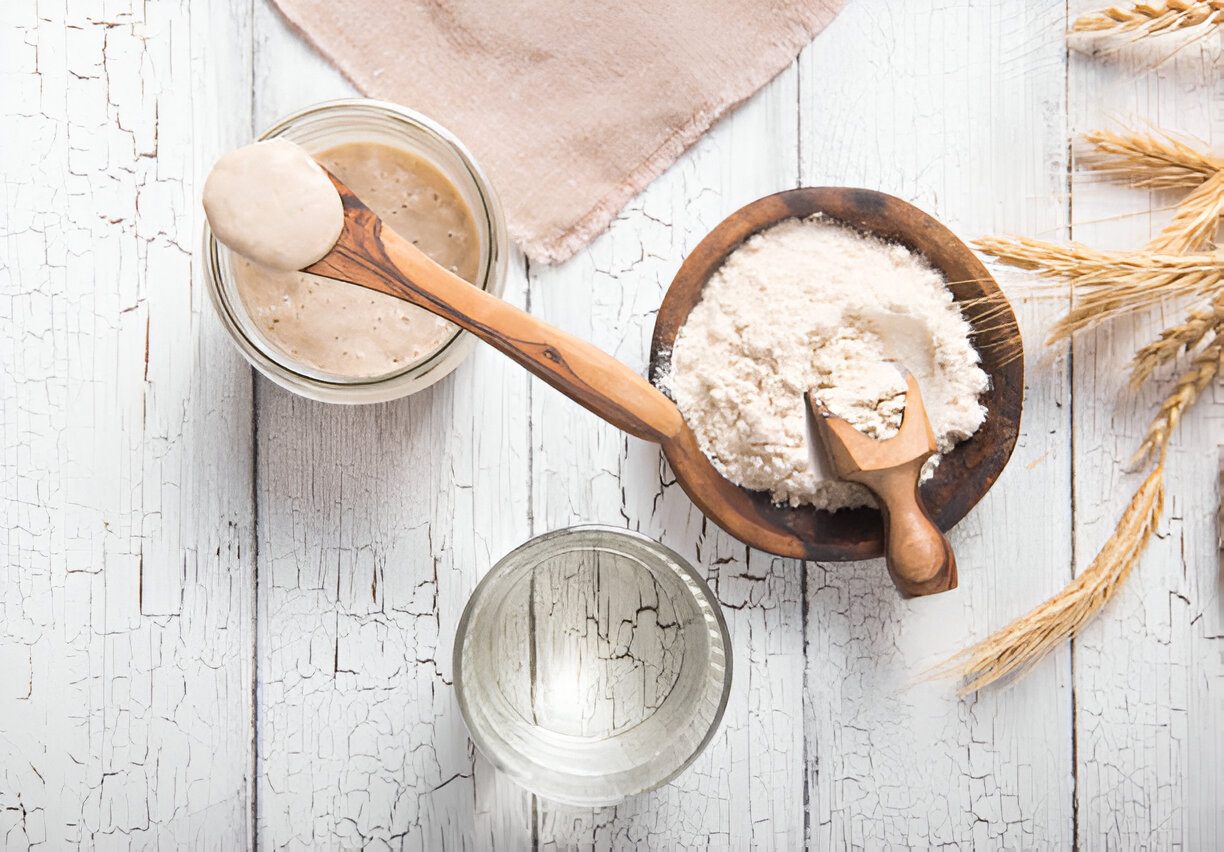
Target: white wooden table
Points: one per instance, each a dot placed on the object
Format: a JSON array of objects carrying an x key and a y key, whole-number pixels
[{"x": 226, "y": 613}]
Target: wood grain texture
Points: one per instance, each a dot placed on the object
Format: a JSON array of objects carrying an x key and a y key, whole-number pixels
[
  {"x": 375, "y": 524},
  {"x": 960, "y": 112},
  {"x": 1149, "y": 673},
  {"x": 919, "y": 558},
  {"x": 125, "y": 588},
  {"x": 376, "y": 257},
  {"x": 747, "y": 789}
]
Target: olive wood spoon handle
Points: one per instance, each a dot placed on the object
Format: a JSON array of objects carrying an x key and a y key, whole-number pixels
[{"x": 376, "y": 257}]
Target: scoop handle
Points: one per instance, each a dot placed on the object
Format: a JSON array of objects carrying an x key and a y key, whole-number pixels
[
  {"x": 919, "y": 557},
  {"x": 376, "y": 257}
]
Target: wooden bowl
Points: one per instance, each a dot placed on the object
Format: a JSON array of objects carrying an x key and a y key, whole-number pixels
[{"x": 967, "y": 472}]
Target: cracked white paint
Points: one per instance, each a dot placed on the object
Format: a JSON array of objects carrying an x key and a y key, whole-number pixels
[
  {"x": 1149, "y": 685},
  {"x": 126, "y": 599},
  {"x": 975, "y": 136},
  {"x": 125, "y": 593},
  {"x": 748, "y": 785},
  {"x": 375, "y": 525}
]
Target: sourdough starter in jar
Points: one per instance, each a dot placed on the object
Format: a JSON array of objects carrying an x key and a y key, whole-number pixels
[{"x": 346, "y": 330}]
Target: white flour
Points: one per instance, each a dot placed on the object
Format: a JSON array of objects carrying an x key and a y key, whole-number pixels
[{"x": 810, "y": 304}]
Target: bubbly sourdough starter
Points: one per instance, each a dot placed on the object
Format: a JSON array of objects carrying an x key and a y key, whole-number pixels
[{"x": 349, "y": 331}]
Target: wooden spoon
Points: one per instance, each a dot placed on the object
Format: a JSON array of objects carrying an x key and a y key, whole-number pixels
[
  {"x": 380, "y": 259},
  {"x": 919, "y": 558}
]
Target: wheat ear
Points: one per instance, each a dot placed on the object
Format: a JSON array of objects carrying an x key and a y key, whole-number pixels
[
  {"x": 1195, "y": 222},
  {"x": 1203, "y": 370},
  {"x": 1149, "y": 18},
  {"x": 1150, "y": 161},
  {"x": 1015, "y": 648},
  {"x": 1108, "y": 283},
  {"x": 1174, "y": 341}
]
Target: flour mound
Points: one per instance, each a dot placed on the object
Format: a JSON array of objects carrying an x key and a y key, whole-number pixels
[{"x": 811, "y": 304}]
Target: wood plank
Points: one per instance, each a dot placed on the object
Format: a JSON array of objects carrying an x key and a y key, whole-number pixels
[
  {"x": 375, "y": 524},
  {"x": 962, "y": 113},
  {"x": 1149, "y": 685},
  {"x": 1220, "y": 503},
  {"x": 125, "y": 593},
  {"x": 746, "y": 790}
]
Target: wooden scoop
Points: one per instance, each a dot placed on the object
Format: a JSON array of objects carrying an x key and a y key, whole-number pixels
[{"x": 919, "y": 558}]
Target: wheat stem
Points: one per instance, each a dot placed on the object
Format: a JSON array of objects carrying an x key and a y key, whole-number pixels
[
  {"x": 1015, "y": 648},
  {"x": 1107, "y": 284}
]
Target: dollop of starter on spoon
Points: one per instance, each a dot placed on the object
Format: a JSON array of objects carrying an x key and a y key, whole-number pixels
[{"x": 272, "y": 203}]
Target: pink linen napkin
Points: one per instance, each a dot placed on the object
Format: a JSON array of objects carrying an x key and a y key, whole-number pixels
[{"x": 572, "y": 107}]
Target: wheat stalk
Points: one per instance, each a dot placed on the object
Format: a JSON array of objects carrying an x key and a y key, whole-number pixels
[
  {"x": 1203, "y": 370},
  {"x": 1108, "y": 284},
  {"x": 1195, "y": 222},
  {"x": 1144, "y": 19},
  {"x": 1149, "y": 161},
  {"x": 1053, "y": 260},
  {"x": 1174, "y": 341},
  {"x": 1015, "y": 648}
]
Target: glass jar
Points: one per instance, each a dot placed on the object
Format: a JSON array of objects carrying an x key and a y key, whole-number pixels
[
  {"x": 318, "y": 128},
  {"x": 592, "y": 663}
]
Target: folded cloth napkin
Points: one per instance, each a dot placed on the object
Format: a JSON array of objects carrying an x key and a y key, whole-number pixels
[{"x": 571, "y": 106}]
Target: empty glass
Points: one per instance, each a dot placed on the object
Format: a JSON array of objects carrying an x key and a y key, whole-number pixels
[{"x": 592, "y": 663}]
